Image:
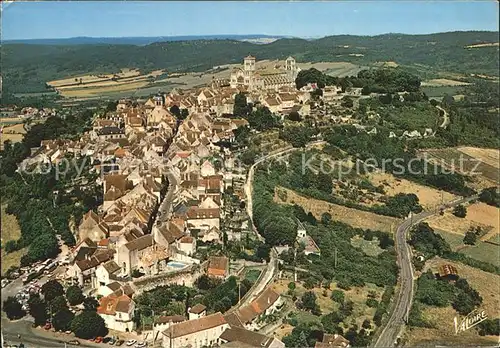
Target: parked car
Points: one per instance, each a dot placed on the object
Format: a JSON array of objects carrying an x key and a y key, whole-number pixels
[
  {"x": 141, "y": 345},
  {"x": 119, "y": 342},
  {"x": 106, "y": 339},
  {"x": 112, "y": 341},
  {"x": 74, "y": 342},
  {"x": 47, "y": 326},
  {"x": 98, "y": 339},
  {"x": 131, "y": 342}
]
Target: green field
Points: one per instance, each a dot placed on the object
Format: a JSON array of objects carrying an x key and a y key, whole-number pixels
[
  {"x": 481, "y": 251},
  {"x": 442, "y": 90},
  {"x": 252, "y": 275},
  {"x": 369, "y": 247}
]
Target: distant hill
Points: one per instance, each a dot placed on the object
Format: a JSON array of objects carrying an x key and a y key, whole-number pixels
[
  {"x": 26, "y": 67},
  {"x": 139, "y": 40}
]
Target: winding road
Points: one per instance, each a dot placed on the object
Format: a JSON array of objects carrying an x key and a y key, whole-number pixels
[{"x": 404, "y": 296}]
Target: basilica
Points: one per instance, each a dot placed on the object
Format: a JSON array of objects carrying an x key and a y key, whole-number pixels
[{"x": 273, "y": 79}]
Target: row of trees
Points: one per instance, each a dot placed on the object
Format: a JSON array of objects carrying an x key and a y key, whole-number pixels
[
  {"x": 372, "y": 80},
  {"x": 52, "y": 307}
]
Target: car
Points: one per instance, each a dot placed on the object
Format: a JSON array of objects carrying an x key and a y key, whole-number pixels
[
  {"x": 119, "y": 342},
  {"x": 74, "y": 342},
  {"x": 131, "y": 342},
  {"x": 98, "y": 339},
  {"x": 141, "y": 345},
  {"x": 47, "y": 326},
  {"x": 67, "y": 332},
  {"x": 112, "y": 341},
  {"x": 106, "y": 339}
]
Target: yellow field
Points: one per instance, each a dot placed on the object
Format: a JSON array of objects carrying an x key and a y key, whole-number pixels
[
  {"x": 486, "y": 284},
  {"x": 427, "y": 196},
  {"x": 492, "y": 44},
  {"x": 353, "y": 217},
  {"x": 93, "y": 78},
  {"x": 10, "y": 231},
  {"x": 478, "y": 214},
  {"x": 89, "y": 92},
  {"x": 443, "y": 82},
  {"x": 488, "y": 156}
]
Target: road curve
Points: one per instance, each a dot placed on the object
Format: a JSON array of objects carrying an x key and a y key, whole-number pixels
[
  {"x": 272, "y": 265},
  {"x": 404, "y": 295}
]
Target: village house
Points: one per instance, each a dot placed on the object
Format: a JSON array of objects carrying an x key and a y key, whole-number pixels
[
  {"x": 204, "y": 331},
  {"x": 117, "y": 312},
  {"x": 92, "y": 227},
  {"x": 197, "y": 311},
  {"x": 332, "y": 341},
  {"x": 268, "y": 302},
  {"x": 310, "y": 246},
  {"x": 241, "y": 337},
  {"x": 218, "y": 267}
]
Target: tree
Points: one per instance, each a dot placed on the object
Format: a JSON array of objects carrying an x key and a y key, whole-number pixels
[
  {"x": 263, "y": 251},
  {"x": 347, "y": 102},
  {"x": 88, "y": 324},
  {"x": 13, "y": 309},
  {"x": 74, "y": 295},
  {"x": 204, "y": 282},
  {"x": 37, "y": 309},
  {"x": 174, "y": 109},
  {"x": 240, "y": 105},
  {"x": 62, "y": 320},
  {"x": 90, "y": 304},
  {"x": 291, "y": 286},
  {"x": 372, "y": 303},
  {"x": 470, "y": 238},
  {"x": 294, "y": 116},
  {"x": 58, "y": 304},
  {"x": 338, "y": 296},
  {"x": 184, "y": 114},
  {"x": 366, "y": 324},
  {"x": 43, "y": 247},
  {"x": 460, "y": 211},
  {"x": 51, "y": 290},
  {"x": 262, "y": 119},
  {"x": 309, "y": 300},
  {"x": 326, "y": 218}
]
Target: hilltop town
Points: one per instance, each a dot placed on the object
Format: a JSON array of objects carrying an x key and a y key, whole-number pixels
[{"x": 184, "y": 220}]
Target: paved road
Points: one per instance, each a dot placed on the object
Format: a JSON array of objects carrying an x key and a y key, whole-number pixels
[
  {"x": 404, "y": 296},
  {"x": 272, "y": 266},
  {"x": 166, "y": 204}
]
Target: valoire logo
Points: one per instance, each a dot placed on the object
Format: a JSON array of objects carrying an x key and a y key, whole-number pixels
[{"x": 471, "y": 320}]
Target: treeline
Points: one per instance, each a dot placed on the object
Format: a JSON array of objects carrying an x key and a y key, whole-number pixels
[
  {"x": 396, "y": 157},
  {"x": 382, "y": 80},
  {"x": 28, "y": 67},
  {"x": 441, "y": 293},
  {"x": 430, "y": 244}
]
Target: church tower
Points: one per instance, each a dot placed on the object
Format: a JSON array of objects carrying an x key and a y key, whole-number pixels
[
  {"x": 290, "y": 67},
  {"x": 249, "y": 69}
]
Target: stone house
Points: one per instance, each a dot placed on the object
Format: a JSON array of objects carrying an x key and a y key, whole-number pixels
[
  {"x": 218, "y": 267},
  {"x": 268, "y": 302},
  {"x": 205, "y": 331},
  {"x": 117, "y": 312}
]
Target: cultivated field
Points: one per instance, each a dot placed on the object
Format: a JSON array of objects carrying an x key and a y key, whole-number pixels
[
  {"x": 429, "y": 197},
  {"x": 475, "y": 162},
  {"x": 443, "y": 82},
  {"x": 10, "y": 231},
  {"x": 353, "y": 217},
  {"x": 443, "y": 333}
]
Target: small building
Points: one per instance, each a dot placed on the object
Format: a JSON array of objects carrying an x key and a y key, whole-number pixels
[
  {"x": 218, "y": 267},
  {"x": 117, "y": 312},
  {"x": 310, "y": 246},
  {"x": 268, "y": 302},
  {"x": 245, "y": 337},
  {"x": 197, "y": 311},
  {"x": 205, "y": 331},
  {"x": 448, "y": 272},
  {"x": 332, "y": 341}
]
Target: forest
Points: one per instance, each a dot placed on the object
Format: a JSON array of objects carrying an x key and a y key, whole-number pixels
[{"x": 26, "y": 68}]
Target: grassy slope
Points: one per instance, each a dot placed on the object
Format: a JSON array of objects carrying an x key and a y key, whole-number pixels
[{"x": 10, "y": 231}]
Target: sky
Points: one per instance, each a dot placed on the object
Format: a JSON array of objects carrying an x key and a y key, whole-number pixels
[{"x": 307, "y": 19}]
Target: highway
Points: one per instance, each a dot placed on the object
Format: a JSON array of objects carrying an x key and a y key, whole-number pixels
[{"x": 404, "y": 295}]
